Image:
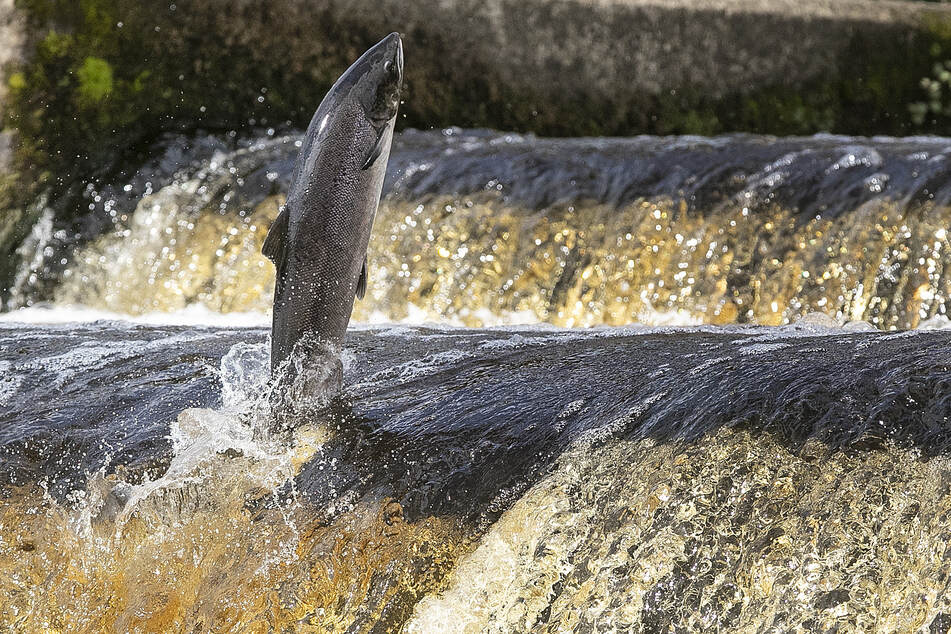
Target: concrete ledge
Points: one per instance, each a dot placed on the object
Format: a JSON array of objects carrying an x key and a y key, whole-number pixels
[{"x": 549, "y": 66}]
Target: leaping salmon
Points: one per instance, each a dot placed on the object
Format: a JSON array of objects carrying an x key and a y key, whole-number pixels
[{"x": 318, "y": 242}]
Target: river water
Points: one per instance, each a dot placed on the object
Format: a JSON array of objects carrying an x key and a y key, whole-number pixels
[{"x": 751, "y": 436}]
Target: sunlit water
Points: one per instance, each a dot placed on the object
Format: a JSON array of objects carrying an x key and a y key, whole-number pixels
[
  {"x": 482, "y": 228},
  {"x": 669, "y": 469}
]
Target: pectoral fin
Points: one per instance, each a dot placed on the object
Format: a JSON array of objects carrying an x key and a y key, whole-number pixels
[
  {"x": 362, "y": 282},
  {"x": 275, "y": 248},
  {"x": 376, "y": 150}
]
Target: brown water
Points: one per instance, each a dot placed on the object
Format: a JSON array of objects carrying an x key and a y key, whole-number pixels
[
  {"x": 485, "y": 263},
  {"x": 738, "y": 533}
]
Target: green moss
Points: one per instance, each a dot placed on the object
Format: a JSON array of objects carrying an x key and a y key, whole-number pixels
[
  {"x": 111, "y": 75},
  {"x": 701, "y": 122},
  {"x": 95, "y": 80},
  {"x": 16, "y": 82},
  {"x": 932, "y": 109},
  {"x": 55, "y": 45},
  {"x": 140, "y": 83},
  {"x": 939, "y": 27}
]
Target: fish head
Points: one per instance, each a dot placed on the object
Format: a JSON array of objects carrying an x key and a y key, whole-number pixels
[{"x": 376, "y": 80}]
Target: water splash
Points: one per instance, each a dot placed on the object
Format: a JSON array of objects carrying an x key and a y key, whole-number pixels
[{"x": 245, "y": 370}]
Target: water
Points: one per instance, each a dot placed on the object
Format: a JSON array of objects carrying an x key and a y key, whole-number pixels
[
  {"x": 747, "y": 439},
  {"x": 481, "y": 228},
  {"x": 478, "y": 480}
]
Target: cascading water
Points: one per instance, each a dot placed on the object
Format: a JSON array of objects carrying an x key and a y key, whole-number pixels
[
  {"x": 518, "y": 478},
  {"x": 473, "y": 480},
  {"x": 481, "y": 228}
]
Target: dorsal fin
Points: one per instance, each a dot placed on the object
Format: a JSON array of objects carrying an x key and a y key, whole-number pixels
[
  {"x": 274, "y": 242},
  {"x": 362, "y": 282}
]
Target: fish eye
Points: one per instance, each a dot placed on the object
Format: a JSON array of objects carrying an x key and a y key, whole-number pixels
[{"x": 387, "y": 65}]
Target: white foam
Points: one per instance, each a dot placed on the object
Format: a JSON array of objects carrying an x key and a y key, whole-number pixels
[
  {"x": 202, "y": 441},
  {"x": 9, "y": 382},
  {"x": 418, "y": 316},
  {"x": 87, "y": 355},
  {"x": 193, "y": 315},
  {"x": 938, "y": 322},
  {"x": 706, "y": 365},
  {"x": 653, "y": 317},
  {"x": 415, "y": 368},
  {"x": 857, "y": 156},
  {"x": 859, "y": 326},
  {"x": 513, "y": 342},
  {"x": 761, "y": 348},
  {"x": 590, "y": 437},
  {"x": 519, "y": 324}
]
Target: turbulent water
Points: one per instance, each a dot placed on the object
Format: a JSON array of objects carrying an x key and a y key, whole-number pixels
[
  {"x": 723, "y": 475},
  {"x": 483, "y": 228},
  {"x": 478, "y": 480}
]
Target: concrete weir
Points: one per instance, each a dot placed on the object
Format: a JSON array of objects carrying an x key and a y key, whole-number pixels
[
  {"x": 620, "y": 67},
  {"x": 562, "y": 67}
]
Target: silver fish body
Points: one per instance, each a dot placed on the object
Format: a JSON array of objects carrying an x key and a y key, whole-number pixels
[{"x": 319, "y": 241}]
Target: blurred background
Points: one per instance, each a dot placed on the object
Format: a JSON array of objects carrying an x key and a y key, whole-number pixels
[{"x": 147, "y": 146}]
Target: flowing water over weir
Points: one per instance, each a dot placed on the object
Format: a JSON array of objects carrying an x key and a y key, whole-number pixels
[
  {"x": 484, "y": 228},
  {"x": 479, "y": 480},
  {"x": 726, "y": 476}
]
